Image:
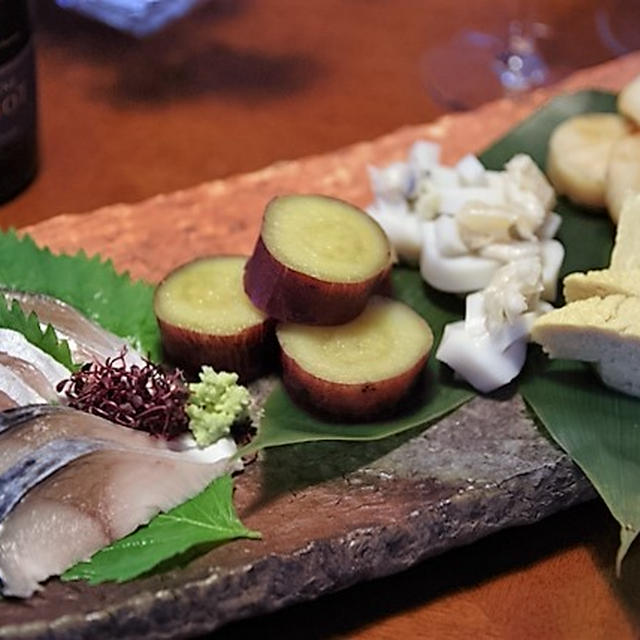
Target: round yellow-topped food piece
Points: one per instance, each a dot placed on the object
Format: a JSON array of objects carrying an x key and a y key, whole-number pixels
[
  {"x": 207, "y": 296},
  {"x": 387, "y": 339},
  {"x": 578, "y": 155},
  {"x": 325, "y": 238}
]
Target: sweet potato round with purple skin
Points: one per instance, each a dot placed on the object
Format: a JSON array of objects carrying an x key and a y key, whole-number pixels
[
  {"x": 249, "y": 353},
  {"x": 317, "y": 261},
  {"x": 205, "y": 317},
  {"x": 359, "y": 370},
  {"x": 364, "y": 401}
]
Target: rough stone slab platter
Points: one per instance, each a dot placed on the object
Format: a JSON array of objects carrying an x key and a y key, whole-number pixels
[{"x": 332, "y": 514}]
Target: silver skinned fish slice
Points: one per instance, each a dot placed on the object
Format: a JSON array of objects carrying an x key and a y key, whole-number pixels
[
  {"x": 114, "y": 480},
  {"x": 38, "y": 465},
  {"x": 87, "y": 341},
  {"x": 28, "y": 374}
]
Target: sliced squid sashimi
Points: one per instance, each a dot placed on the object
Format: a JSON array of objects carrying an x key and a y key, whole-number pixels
[
  {"x": 106, "y": 489},
  {"x": 87, "y": 340}
]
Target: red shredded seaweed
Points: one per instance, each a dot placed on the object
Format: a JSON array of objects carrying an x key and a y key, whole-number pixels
[{"x": 145, "y": 398}]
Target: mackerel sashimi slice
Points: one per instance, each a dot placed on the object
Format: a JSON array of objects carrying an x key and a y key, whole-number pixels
[
  {"x": 27, "y": 374},
  {"x": 87, "y": 341},
  {"x": 72, "y": 483}
]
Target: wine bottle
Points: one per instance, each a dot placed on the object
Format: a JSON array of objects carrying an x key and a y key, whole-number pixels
[{"x": 18, "y": 134}]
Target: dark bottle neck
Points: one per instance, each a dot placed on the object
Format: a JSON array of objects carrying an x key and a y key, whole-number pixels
[{"x": 15, "y": 28}]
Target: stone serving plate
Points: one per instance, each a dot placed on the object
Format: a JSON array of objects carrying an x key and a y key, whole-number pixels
[{"x": 331, "y": 514}]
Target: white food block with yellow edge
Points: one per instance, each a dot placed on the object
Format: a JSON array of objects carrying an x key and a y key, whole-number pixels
[
  {"x": 603, "y": 331},
  {"x": 623, "y": 174},
  {"x": 601, "y": 283},
  {"x": 629, "y": 100},
  {"x": 626, "y": 251}
]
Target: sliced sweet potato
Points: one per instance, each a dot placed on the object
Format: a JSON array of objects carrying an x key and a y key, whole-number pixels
[
  {"x": 317, "y": 261},
  {"x": 360, "y": 369},
  {"x": 205, "y": 317}
]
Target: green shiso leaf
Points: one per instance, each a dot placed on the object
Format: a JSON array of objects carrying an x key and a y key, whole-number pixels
[
  {"x": 437, "y": 394},
  {"x": 597, "y": 427},
  {"x": 124, "y": 307},
  {"x": 91, "y": 285},
  {"x": 204, "y": 521},
  {"x": 12, "y": 317}
]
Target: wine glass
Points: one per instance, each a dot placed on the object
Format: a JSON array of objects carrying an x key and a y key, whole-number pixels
[
  {"x": 618, "y": 25},
  {"x": 477, "y": 66}
]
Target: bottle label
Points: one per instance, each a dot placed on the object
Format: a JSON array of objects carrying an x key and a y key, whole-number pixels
[{"x": 17, "y": 96}]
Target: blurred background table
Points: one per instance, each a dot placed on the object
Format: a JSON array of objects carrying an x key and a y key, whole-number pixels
[{"x": 240, "y": 84}]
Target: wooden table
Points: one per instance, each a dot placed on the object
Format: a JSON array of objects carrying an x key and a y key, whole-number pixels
[{"x": 241, "y": 84}]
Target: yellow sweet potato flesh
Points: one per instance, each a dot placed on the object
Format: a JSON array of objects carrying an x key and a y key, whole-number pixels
[
  {"x": 207, "y": 296},
  {"x": 325, "y": 238},
  {"x": 385, "y": 341}
]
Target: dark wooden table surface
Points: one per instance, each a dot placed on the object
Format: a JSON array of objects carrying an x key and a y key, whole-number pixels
[{"x": 243, "y": 83}]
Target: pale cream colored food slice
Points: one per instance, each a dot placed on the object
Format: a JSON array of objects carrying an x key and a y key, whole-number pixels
[
  {"x": 626, "y": 250},
  {"x": 601, "y": 283},
  {"x": 578, "y": 155},
  {"x": 629, "y": 100},
  {"x": 623, "y": 174},
  {"x": 603, "y": 331},
  {"x": 623, "y": 276}
]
